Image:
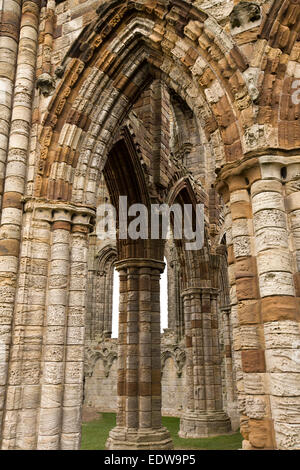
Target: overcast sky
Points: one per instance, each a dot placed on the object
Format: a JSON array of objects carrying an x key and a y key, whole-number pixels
[{"x": 163, "y": 302}]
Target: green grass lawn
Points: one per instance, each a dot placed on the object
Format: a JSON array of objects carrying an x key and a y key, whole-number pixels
[{"x": 95, "y": 433}]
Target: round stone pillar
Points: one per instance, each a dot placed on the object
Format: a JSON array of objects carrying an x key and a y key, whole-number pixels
[
  {"x": 139, "y": 370},
  {"x": 204, "y": 415}
]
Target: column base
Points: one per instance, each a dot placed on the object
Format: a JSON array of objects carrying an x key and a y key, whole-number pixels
[
  {"x": 195, "y": 425},
  {"x": 139, "y": 439}
]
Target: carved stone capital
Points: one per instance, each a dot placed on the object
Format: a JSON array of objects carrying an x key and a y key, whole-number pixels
[{"x": 140, "y": 263}]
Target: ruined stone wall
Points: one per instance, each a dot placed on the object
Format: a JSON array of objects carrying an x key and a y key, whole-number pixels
[{"x": 100, "y": 385}]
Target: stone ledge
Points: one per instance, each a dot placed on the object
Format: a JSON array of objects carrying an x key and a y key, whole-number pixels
[{"x": 121, "y": 438}]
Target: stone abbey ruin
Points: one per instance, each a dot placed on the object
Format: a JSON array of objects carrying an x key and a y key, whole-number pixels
[{"x": 164, "y": 102}]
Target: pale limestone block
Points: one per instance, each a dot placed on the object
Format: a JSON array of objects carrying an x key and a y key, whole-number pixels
[
  {"x": 40, "y": 250},
  {"x": 10, "y": 423},
  {"x": 73, "y": 394},
  {"x": 76, "y": 317},
  {"x": 79, "y": 253},
  {"x": 74, "y": 372},
  {"x": 6, "y": 92},
  {"x": 5, "y": 334},
  {"x": 71, "y": 419},
  {"x": 77, "y": 298},
  {"x": 242, "y": 246},
  {"x": 282, "y": 334},
  {"x": 233, "y": 297},
  {"x": 53, "y": 373},
  {"x": 50, "y": 421},
  {"x": 75, "y": 335},
  {"x": 48, "y": 442},
  {"x": 33, "y": 335},
  {"x": 58, "y": 267},
  {"x": 55, "y": 335},
  {"x": 274, "y": 260},
  {"x": 287, "y": 436},
  {"x": 77, "y": 283},
  {"x": 60, "y": 236},
  {"x": 60, "y": 251},
  {"x": 265, "y": 186},
  {"x": 12, "y": 216},
  {"x": 56, "y": 315},
  {"x": 3, "y": 372},
  {"x": 73, "y": 25},
  {"x": 13, "y": 397},
  {"x": 254, "y": 383},
  {"x": 199, "y": 66},
  {"x": 53, "y": 353},
  {"x": 31, "y": 396},
  {"x": 242, "y": 227},
  {"x": 26, "y": 423},
  {"x": 8, "y": 44},
  {"x": 18, "y": 141},
  {"x": 51, "y": 396},
  {"x": 239, "y": 196},
  {"x": 284, "y": 384},
  {"x": 35, "y": 281},
  {"x": 236, "y": 339},
  {"x": 286, "y": 409},
  {"x": 267, "y": 200},
  {"x": 6, "y": 312},
  {"x": 283, "y": 360},
  {"x": 10, "y": 231},
  {"x": 255, "y": 407},
  {"x": 8, "y": 264},
  {"x": 276, "y": 283},
  {"x": 58, "y": 281},
  {"x": 78, "y": 269},
  {"x": 234, "y": 319},
  {"x": 29, "y": 32},
  {"x": 31, "y": 372},
  {"x": 57, "y": 297},
  {"x": 293, "y": 201},
  {"x": 250, "y": 338},
  {"x": 295, "y": 219},
  {"x": 70, "y": 441},
  {"x": 21, "y": 113},
  {"x": 75, "y": 353},
  {"x": 214, "y": 92},
  {"x": 269, "y": 238}
]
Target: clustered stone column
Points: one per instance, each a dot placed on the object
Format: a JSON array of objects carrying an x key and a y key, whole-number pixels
[
  {"x": 264, "y": 304},
  {"x": 139, "y": 372},
  {"x": 75, "y": 334},
  {"x": 22, "y": 393},
  {"x": 15, "y": 163},
  {"x": 204, "y": 415},
  {"x": 54, "y": 333},
  {"x": 45, "y": 370},
  {"x": 272, "y": 203}
]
